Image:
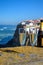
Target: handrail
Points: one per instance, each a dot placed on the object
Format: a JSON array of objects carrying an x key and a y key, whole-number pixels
[
  {"x": 35, "y": 41},
  {"x": 23, "y": 42}
]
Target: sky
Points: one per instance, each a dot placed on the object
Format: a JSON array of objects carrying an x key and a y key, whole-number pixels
[{"x": 15, "y": 11}]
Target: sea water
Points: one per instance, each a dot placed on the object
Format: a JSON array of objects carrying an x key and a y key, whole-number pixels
[{"x": 6, "y": 33}]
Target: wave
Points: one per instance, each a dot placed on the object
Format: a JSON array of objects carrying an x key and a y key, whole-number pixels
[
  {"x": 4, "y": 27},
  {"x": 5, "y": 40},
  {"x": 2, "y": 36},
  {"x": 1, "y": 29},
  {"x": 5, "y": 35}
]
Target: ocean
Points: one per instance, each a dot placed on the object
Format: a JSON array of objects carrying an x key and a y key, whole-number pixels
[{"x": 6, "y": 33}]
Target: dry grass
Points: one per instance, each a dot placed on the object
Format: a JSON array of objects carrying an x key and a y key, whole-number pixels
[{"x": 24, "y": 55}]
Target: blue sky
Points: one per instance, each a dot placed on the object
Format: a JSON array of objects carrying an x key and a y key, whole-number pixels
[{"x": 15, "y": 11}]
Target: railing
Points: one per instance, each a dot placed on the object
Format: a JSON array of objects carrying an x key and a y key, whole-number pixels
[
  {"x": 22, "y": 36},
  {"x": 32, "y": 37}
]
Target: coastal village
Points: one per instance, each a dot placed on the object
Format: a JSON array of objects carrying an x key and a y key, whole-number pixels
[{"x": 27, "y": 32}]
